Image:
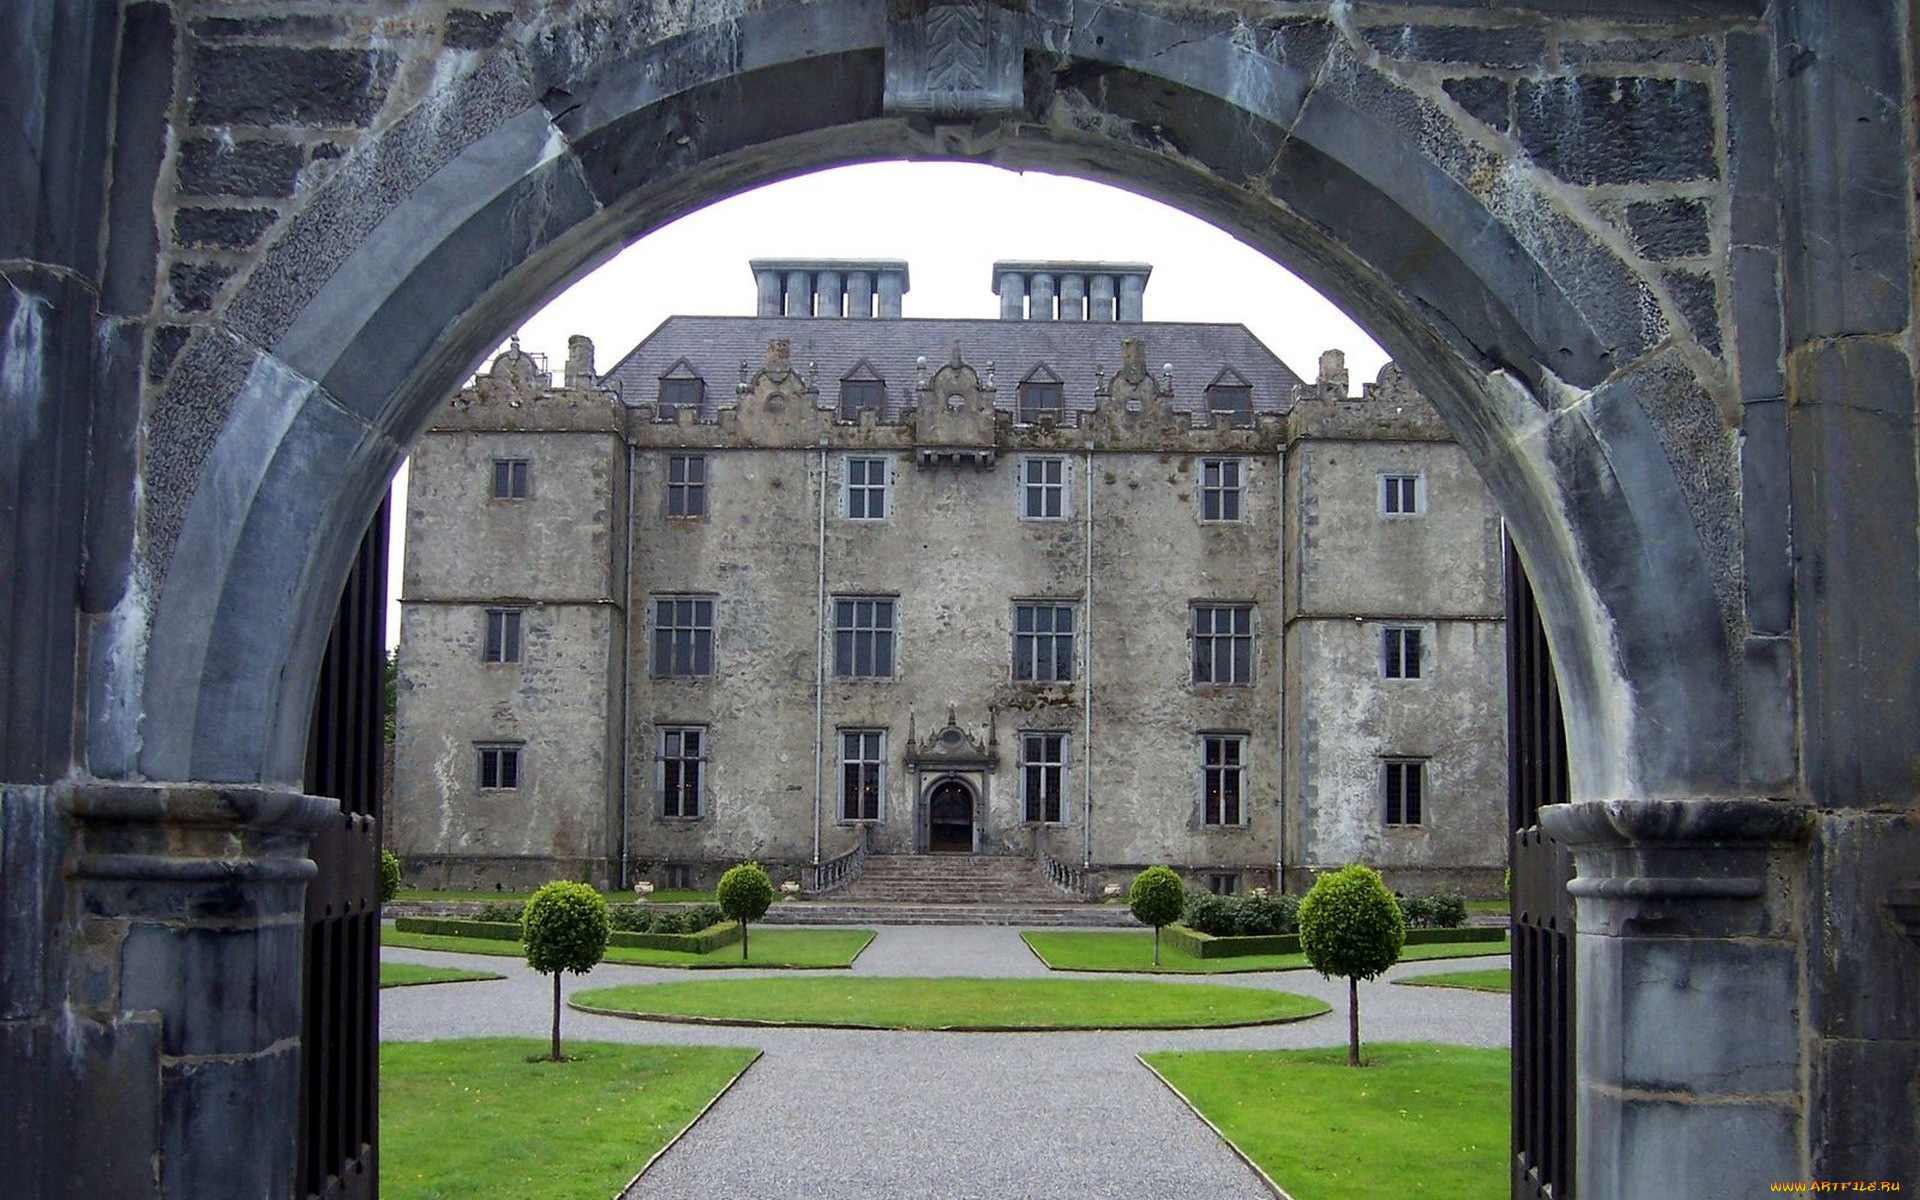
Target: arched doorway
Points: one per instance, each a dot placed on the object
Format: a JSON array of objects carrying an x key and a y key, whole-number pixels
[{"x": 950, "y": 818}]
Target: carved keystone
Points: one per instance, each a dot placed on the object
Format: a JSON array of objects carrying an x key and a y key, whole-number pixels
[{"x": 954, "y": 62}]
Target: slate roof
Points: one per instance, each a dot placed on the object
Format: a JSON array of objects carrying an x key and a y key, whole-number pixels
[{"x": 716, "y": 346}]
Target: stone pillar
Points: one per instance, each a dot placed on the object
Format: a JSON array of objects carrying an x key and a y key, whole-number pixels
[
  {"x": 1133, "y": 290},
  {"x": 826, "y": 294},
  {"x": 1073, "y": 298},
  {"x": 859, "y": 294},
  {"x": 1332, "y": 383},
  {"x": 1690, "y": 1013},
  {"x": 891, "y": 288},
  {"x": 1040, "y": 297},
  {"x": 768, "y": 283},
  {"x": 1100, "y": 298},
  {"x": 1013, "y": 296},
  {"x": 580, "y": 373},
  {"x": 799, "y": 294}
]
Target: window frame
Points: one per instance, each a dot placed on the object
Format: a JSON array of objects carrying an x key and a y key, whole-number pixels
[
  {"x": 1214, "y": 811},
  {"x": 670, "y": 759},
  {"x": 847, "y": 666},
  {"x": 667, "y": 406},
  {"x": 1240, "y": 666},
  {"x": 515, "y": 474},
  {"x": 502, "y": 647},
  {"x": 1051, "y": 637},
  {"x": 687, "y": 496},
  {"x": 506, "y": 760},
  {"x": 1395, "y": 812},
  {"x": 656, "y": 629},
  {"x": 1394, "y": 652},
  {"x": 1391, "y": 493},
  {"x": 876, "y": 792},
  {"x": 850, "y": 408},
  {"x": 1057, "y": 489},
  {"x": 866, "y": 488},
  {"x": 1218, "y": 494},
  {"x": 1242, "y": 411},
  {"x": 1039, "y": 772}
]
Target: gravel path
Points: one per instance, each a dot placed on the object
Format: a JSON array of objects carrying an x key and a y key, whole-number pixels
[{"x": 898, "y": 1116}]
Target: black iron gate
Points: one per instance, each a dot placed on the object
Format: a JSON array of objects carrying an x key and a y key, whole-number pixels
[
  {"x": 1543, "y": 1069},
  {"x": 345, "y": 758}
]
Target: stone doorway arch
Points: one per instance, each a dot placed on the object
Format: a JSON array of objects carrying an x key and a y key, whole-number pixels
[
  {"x": 1567, "y": 228},
  {"x": 953, "y": 822}
]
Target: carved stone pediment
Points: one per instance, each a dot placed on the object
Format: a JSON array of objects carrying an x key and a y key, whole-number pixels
[
  {"x": 952, "y": 748},
  {"x": 954, "y": 415},
  {"x": 779, "y": 399}
]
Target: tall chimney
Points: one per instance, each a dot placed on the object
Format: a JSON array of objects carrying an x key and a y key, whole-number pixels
[
  {"x": 580, "y": 361},
  {"x": 829, "y": 287},
  {"x": 1071, "y": 291}
]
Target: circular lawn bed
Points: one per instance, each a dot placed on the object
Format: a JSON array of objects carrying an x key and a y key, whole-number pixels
[{"x": 985, "y": 1005}]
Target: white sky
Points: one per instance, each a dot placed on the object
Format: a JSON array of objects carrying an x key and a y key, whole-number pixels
[{"x": 950, "y": 222}]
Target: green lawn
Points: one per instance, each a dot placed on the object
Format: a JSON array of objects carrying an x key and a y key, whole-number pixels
[
  {"x": 790, "y": 948},
  {"x": 1132, "y": 950},
  {"x": 1494, "y": 979},
  {"x": 663, "y": 896},
  {"x": 460, "y": 1119},
  {"x": 866, "y": 1002},
  {"x": 393, "y": 974},
  {"x": 1499, "y": 904},
  {"x": 1418, "y": 1120}
]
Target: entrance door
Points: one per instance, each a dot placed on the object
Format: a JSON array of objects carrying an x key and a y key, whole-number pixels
[{"x": 950, "y": 818}]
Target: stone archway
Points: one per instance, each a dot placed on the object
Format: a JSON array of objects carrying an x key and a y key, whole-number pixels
[
  {"x": 1565, "y": 227},
  {"x": 952, "y": 817}
]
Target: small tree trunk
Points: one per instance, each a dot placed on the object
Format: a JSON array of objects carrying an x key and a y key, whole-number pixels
[
  {"x": 1156, "y": 945},
  {"x": 556, "y": 1016},
  {"x": 743, "y": 941},
  {"x": 1353, "y": 1020}
]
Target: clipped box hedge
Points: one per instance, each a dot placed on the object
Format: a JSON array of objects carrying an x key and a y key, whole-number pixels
[
  {"x": 1205, "y": 945},
  {"x": 711, "y": 938}
]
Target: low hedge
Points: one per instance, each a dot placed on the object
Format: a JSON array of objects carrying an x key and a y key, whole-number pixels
[
  {"x": 1205, "y": 945},
  {"x": 711, "y": 938}
]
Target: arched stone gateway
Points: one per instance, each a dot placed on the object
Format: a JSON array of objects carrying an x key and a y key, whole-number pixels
[{"x": 1651, "y": 257}]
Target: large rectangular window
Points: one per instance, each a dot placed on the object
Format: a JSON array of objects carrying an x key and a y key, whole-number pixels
[
  {"x": 863, "y": 770},
  {"x": 682, "y": 756},
  {"x": 1222, "y": 488},
  {"x": 1043, "y": 487},
  {"x": 1043, "y": 769},
  {"x": 1400, "y": 651},
  {"x": 510, "y": 478},
  {"x": 503, "y": 636},
  {"x": 686, "y": 485},
  {"x": 863, "y": 637},
  {"x": 1400, "y": 496},
  {"x": 1403, "y": 784},
  {"x": 1223, "y": 766},
  {"x": 1043, "y": 642},
  {"x": 1223, "y": 643},
  {"x": 499, "y": 767},
  {"x": 683, "y": 635},
  {"x": 866, "y": 489}
]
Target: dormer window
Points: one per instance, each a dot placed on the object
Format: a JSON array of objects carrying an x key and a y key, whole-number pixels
[
  {"x": 862, "y": 390},
  {"x": 681, "y": 387},
  {"x": 1232, "y": 395},
  {"x": 1040, "y": 396}
]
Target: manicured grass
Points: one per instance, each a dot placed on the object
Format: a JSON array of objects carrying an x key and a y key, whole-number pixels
[
  {"x": 663, "y": 896},
  {"x": 1418, "y": 1120},
  {"x": 393, "y": 974},
  {"x": 1132, "y": 950},
  {"x": 866, "y": 1002},
  {"x": 1500, "y": 904},
  {"x": 791, "y": 948},
  {"x": 460, "y": 1119},
  {"x": 1495, "y": 979}
]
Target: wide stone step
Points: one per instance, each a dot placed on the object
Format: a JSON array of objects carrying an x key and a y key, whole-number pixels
[{"x": 825, "y": 912}]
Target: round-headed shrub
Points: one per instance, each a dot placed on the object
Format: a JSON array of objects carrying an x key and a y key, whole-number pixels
[
  {"x": 1208, "y": 913},
  {"x": 1417, "y": 910},
  {"x": 1447, "y": 910},
  {"x": 744, "y": 893},
  {"x": 1157, "y": 898},
  {"x": 1262, "y": 916},
  {"x": 1350, "y": 925},
  {"x": 389, "y": 875},
  {"x": 564, "y": 928}
]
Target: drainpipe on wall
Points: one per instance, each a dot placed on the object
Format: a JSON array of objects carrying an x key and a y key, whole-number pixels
[
  {"x": 1280, "y": 673},
  {"x": 819, "y": 653},
  {"x": 1086, "y": 675},
  {"x": 626, "y": 674}
]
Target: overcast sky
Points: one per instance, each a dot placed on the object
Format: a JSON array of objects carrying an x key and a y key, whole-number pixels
[{"x": 950, "y": 222}]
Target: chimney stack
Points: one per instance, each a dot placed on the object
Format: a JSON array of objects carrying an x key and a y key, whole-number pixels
[
  {"x": 856, "y": 288},
  {"x": 1071, "y": 291}
]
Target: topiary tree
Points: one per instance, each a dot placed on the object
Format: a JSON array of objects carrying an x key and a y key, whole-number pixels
[
  {"x": 1351, "y": 925},
  {"x": 744, "y": 894},
  {"x": 1157, "y": 898},
  {"x": 564, "y": 928},
  {"x": 389, "y": 875}
]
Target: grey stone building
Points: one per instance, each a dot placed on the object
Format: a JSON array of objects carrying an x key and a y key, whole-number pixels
[{"x": 1068, "y": 584}]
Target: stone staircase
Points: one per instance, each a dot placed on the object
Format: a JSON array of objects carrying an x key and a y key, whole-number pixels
[{"x": 948, "y": 889}]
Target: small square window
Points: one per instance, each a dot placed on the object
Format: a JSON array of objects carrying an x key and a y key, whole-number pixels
[
  {"x": 1223, "y": 643},
  {"x": 1400, "y": 652},
  {"x": 1223, "y": 765},
  {"x": 1043, "y": 643},
  {"x": 1043, "y": 488},
  {"x": 862, "y": 395},
  {"x": 676, "y": 394},
  {"x": 503, "y": 636},
  {"x": 683, "y": 635},
  {"x": 1403, "y": 784},
  {"x": 1400, "y": 496},
  {"x": 1043, "y": 768},
  {"x": 1235, "y": 401},
  {"x": 686, "y": 485},
  {"x": 682, "y": 756},
  {"x": 509, "y": 479},
  {"x": 1039, "y": 398},
  {"x": 863, "y": 637},
  {"x": 1222, "y": 489},
  {"x": 866, "y": 489},
  {"x": 1223, "y": 883},
  {"x": 499, "y": 767}
]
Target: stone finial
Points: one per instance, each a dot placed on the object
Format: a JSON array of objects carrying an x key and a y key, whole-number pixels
[
  {"x": 1133, "y": 357},
  {"x": 779, "y": 352}
]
